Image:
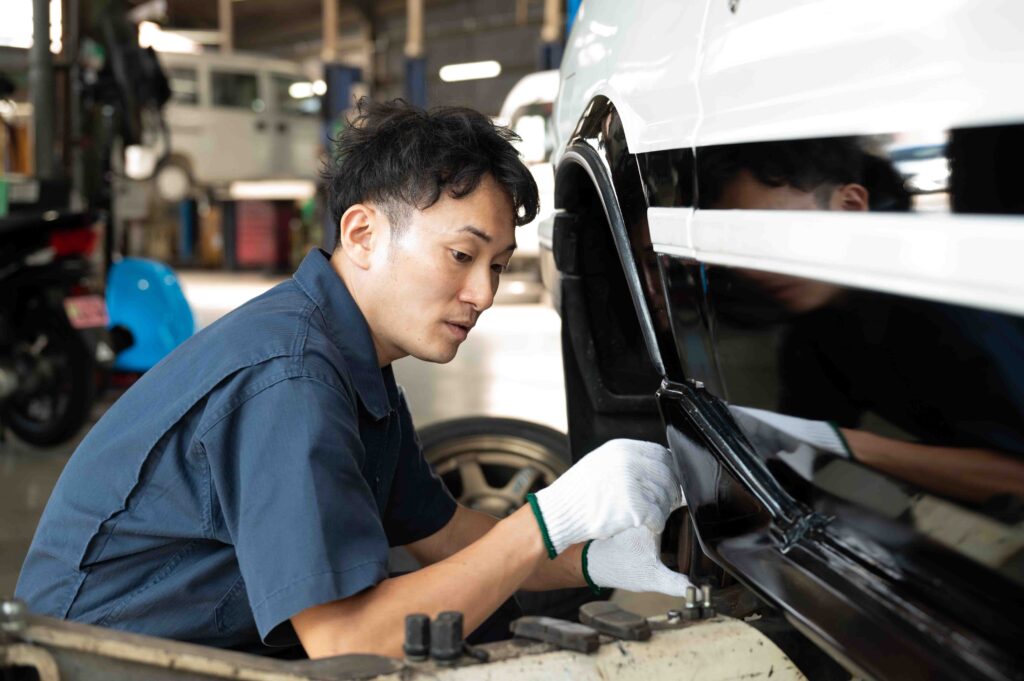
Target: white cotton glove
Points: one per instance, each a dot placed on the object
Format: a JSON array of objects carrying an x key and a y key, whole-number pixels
[
  {"x": 792, "y": 438},
  {"x": 619, "y": 485},
  {"x": 630, "y": 561}
]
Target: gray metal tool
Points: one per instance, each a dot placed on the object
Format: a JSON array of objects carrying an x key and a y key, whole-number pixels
[
  {"x": 610, "y": 619},
  {"x": 561, "y": 633}
]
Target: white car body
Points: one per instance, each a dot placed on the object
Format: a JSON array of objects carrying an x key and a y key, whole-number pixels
[
  {"x": 533, "y": 92},
  {"x": 693, "y": 74},
  {"x": 733, "y": 228}
]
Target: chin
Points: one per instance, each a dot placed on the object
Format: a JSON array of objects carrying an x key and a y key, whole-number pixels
[{"x": 436, "y": 355}]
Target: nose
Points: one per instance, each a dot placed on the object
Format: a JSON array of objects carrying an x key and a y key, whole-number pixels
[{"x": 479, "y": 288}]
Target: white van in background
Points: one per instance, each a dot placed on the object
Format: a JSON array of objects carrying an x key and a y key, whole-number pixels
[{"x": 238, "y": 117}]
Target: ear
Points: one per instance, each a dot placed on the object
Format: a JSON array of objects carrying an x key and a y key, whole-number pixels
[
  {"x": 849, "y": 197},
  {"x": 360, "y": 234}
]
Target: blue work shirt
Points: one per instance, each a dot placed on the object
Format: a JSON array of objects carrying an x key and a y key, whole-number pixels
[{"x": 263, "y": 467}]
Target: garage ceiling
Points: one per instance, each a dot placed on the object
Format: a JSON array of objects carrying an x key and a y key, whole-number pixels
[
  {"x": 454, "y": 31},
  {"x": 270, "y": 25},
  {"x": 507, "y": 31}
]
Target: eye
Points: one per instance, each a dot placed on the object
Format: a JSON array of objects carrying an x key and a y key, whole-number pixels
[
  {"x": 499, "y": 268},
  {"x": 460, "y": 256}
]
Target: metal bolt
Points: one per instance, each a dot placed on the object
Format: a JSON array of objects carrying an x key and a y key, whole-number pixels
[
  {"x": 734, "y": 5},
  {"x": 707, "y": 609},
  {"x": 12, "y": 615},
  {"x": 674, "y": 615},
  {"x": 446, "y": 641},
  {"x": 691, "y": 606},
  {"x": 417, "y": 637},
  {"x": 699, "y": 385}
]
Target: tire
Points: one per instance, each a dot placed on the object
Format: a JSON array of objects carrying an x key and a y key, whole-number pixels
[
  {"x": 490, "y": 464},
  {"x": 56, "y": 410},
  {"x": 482, "y": 460},
  {"x": 173, "y": 178}
]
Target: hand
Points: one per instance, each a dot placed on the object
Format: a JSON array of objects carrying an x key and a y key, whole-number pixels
[
  {"x": 619, "y": 485},
  {"x": 630, "y": 561},
  {"x": 794, "y": 439}
]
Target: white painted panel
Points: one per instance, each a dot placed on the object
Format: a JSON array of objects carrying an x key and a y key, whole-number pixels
[
  {"x": 642, "y": 55},
  {"x": 970, "y": 260},
  {"x": 670, "y": 227},
  {"x": 785, "y": 69}
]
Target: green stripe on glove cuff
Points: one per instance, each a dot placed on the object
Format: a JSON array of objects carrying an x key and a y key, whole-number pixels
[
  {"x": 535, "y": 507},
  {"x": 842, "y": 440},
  {"x": 586, "y": 575}
]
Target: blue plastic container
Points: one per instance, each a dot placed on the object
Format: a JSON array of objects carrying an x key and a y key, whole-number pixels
[{"x": 145, "y": 297}]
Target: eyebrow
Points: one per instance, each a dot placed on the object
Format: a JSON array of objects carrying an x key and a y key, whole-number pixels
[{"x": 484, "y": 235}]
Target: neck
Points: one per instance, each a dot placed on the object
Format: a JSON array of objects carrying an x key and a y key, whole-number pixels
[{"x": 386, "y": 353}]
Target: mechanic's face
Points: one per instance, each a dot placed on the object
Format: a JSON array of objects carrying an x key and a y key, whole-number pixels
[
  {"x": 428, "y": 286},
  {"x": 795, "y": 294}
]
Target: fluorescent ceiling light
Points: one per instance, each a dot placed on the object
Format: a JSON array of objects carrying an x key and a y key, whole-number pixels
[
  {"x": 469, "y": 71},
  {"x": 301, "y": 89},
  {"x": 319, "y": 87},
  {"x": 299, "y": 190},
  {"x": 16, "y": 27},
  {"x": 151, "y": 35}
]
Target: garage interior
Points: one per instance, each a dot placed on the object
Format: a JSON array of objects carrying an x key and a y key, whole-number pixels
[{"x": 226, "y": 246}]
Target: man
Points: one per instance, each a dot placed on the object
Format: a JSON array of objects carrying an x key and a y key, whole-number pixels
[
  {"x": 846, "y": 353},
  {"x": 245, "y": 491}
]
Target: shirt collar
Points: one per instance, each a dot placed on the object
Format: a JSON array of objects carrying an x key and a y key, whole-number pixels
[{"x": 348, "y": 329}]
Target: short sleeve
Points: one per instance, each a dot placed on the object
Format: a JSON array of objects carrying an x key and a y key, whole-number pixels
[
  {"x": 286, "y": 469},
  {"x": 419, "y": 504}
]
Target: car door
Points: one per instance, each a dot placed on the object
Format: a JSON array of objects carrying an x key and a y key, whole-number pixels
[
  {"x": 237, "y": 131},
  {"x": 295, "y": 126},
  {"x": 187, "y": 111},
  {"x": 839, "y": 291}
]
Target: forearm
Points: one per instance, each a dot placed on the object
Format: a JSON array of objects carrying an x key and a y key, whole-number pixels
[
  {"x": 475, "y": 581},
  {"x": 565, "y": 571},
  {"x": 968, "y": 474},
  {"x": 468, "y": 526}
]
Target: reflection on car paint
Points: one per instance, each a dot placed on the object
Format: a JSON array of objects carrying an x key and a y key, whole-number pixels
[
  {"x": 931, "y": 393},
  {"x": 963, "y": 170}
]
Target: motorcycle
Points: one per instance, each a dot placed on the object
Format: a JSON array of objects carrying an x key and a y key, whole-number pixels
[{"x": 53, "y": 334}]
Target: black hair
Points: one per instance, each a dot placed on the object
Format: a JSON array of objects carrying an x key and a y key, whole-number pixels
[
  {"x": 402, "y": 157},
  {"x": 809, "y": 165}
]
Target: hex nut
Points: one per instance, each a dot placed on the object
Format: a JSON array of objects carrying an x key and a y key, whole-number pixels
[{"x": 13, "y": 614}]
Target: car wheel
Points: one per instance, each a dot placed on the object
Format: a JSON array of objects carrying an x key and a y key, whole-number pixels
[
  {"x": 491, "y": 464},
  {"x": 64, "y": 381},
  {"x": 173, "y": 179}
]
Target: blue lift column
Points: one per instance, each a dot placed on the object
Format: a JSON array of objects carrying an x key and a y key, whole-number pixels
[
  {"x": 415, "y": 61},
  {"x": 551, "y": 44},
  {"x": 340, "y": 80}
]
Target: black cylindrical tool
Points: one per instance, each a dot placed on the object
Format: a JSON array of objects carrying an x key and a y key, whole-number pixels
[
  {"x": 446, "y": 636},
  {"x": 417, "y": 637}
]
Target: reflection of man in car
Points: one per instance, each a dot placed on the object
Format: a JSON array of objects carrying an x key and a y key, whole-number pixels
[
  {"x": 846, "y": 353},
  {"x": 799, "y": 175}
]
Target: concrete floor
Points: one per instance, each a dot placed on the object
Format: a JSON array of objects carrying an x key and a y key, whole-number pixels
[{"x": 510, "y": 366}]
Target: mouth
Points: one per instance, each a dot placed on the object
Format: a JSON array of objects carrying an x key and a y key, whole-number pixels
[{"x": 459, "y": 329}]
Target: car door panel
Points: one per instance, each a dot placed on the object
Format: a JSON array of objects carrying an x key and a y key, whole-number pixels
[{"x": 779, "y": 69}]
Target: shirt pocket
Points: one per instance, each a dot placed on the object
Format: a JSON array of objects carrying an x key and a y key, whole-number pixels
[
  {"x": 143, "y": 597},
  {"x": 233, "y": 611}
]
